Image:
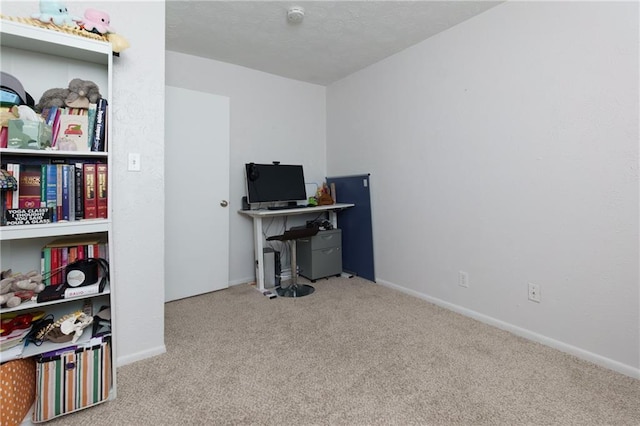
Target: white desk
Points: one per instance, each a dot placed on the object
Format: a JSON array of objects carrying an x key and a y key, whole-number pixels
[{"x": 258, "y": 238}]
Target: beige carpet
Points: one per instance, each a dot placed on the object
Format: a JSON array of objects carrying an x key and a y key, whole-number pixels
[{"x": 354, "y": 353}]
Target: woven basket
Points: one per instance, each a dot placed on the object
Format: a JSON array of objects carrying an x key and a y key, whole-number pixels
[{"x": 77, "y": 31}]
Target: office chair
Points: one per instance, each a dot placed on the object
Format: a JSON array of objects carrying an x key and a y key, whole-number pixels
[{"x": 292, "y": 235}]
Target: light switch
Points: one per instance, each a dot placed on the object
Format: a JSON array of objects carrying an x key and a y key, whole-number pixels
[{"x": 134, "y": 162}]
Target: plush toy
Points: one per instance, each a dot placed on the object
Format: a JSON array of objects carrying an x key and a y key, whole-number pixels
[
  {"x": 82, "y": 93},
  {"x": 52, "y": 97},
  {"x": 8, "y": 113},
  {"x": 28, "y": 114},
  {"x": 118, "y": 43},
  {"x": 16, "y": 288},
  {"x": 56, "y": 13},
  {"x": 96, "y": 21}
]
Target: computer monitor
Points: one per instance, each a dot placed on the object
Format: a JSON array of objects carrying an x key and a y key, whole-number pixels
[{"x": 274, "y": 182}]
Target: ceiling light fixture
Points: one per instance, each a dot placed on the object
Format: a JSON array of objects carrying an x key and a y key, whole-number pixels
[{"x": 295, "y": 14}]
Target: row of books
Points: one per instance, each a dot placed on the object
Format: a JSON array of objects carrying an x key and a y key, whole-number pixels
[
  {"x": 59, "y": 253},
  {"x": 78, "y": 129},
  {"x": 49, "y": 193}
]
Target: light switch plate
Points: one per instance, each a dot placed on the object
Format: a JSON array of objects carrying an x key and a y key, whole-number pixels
[{"x": 134, "y": 162}]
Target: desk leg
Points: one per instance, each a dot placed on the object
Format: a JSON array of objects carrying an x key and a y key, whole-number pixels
[
  {"x": 259, "y": 248},
  {"x": 333, "y": 218}
]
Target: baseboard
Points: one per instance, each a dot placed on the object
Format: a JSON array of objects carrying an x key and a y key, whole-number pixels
[
  {"x": 241, "y": 281},
  {"x": 608, "y": 363},
  {"x": 284, "y": 275},
  {"x": 139, "y": 356}
]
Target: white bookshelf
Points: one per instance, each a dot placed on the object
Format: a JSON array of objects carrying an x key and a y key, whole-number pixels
[{"x": 43, "y": 59}]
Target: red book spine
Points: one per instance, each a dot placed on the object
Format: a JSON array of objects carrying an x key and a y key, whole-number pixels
[
  {"x": 101, "y": 183},
  {"x": 81, "y": 254},
  {"x": 58, "y": 192},
  {"x": 9, "y": 194},
  {"x": 90, "y": 198},
  {"x": 4, "y": 133},
  {"x": 55, "y": 264}
]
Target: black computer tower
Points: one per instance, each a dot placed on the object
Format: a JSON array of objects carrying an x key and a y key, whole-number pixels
[{"x": 272, "y": 268}]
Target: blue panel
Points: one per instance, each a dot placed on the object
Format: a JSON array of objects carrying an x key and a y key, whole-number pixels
[{"x": 355, "y": 222}]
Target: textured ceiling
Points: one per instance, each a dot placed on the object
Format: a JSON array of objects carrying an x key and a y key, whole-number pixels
[{"x": 335, "y": 39}]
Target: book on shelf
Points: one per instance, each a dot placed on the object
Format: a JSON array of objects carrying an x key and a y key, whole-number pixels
[
  {"x": 73, "y": 133},
  {"x": 90, "y": 200},
  {"x": 45, "y": 265},
  {"x": 29, "y": 186},
  {"x": 4, "y": 137},
  {"x": 8, "y": 195},
  {"x": 77, "y": 241},
  {"x": 52, "y": 189},
  {"x": 16, "y": 194},
  {"x": 64, "y": 257},
  {"x": 51, "y": 117},
  {"x": 79, "y": 191},
  {"x": 73, "y": 254},
  {"x": 43, "y": 185},
  {"x": 67, "y": 196},
  {"x": 101, "y": 184},
  {"x": 100, "y": 129},
  {"x": 70, "y": 170},
  {"x": 59, "y": 186},
  {"x": 85, "y": 290},
  {"x": 55, "y": 266},
  {"x": 91, "y": 117},
  {"x": 55, "y": 127}
]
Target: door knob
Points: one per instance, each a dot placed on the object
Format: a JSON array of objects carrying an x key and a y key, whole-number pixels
[{"x": 224, "y": 203}]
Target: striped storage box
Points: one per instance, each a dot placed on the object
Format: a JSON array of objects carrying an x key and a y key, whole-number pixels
[{"x": 71, "y": 381}]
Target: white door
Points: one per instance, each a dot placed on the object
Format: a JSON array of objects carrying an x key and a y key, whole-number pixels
[{"x": 196, "y": 193}]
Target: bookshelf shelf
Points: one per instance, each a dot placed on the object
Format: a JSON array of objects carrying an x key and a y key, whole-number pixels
[
  {"x": 46, "y": 153},
  {"x": 27, "y": 50},
  {"x": 39, "y": 306},
  {"x": 29, "y": 38},
  {"x": 58, "y": 229}
]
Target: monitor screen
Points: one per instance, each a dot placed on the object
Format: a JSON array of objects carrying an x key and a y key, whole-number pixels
[{"x": 274, "y": 182}]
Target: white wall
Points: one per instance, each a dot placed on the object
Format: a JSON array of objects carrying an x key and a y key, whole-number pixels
[
  {"x": 272, "y": 119},
  {"x": 138, "y": 114},
  {"x": 507, "y": 147}
]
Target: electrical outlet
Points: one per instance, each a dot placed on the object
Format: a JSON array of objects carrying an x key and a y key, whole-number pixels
[
  {"x": 534, "y": 292},
  {"x": 463, "y": 279}
]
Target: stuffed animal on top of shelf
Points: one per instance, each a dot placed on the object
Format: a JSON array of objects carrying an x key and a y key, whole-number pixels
[
  {"x": 17, "y": 288},
  {"x": 118, "y": 43},
  {"x": 82, "y": 93},
  {"x": 55, "y": 12},
  {"x": 99, "y": 22},
  {"x": 96, "y": 21},
  {"x": 52, "y": 97},
  {"x": 79, "y": 94}
]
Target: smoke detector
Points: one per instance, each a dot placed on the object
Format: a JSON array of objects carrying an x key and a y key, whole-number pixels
[{"x": 295, "y": 14}]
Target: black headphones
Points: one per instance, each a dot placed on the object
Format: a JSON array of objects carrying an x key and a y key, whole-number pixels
[
  {"x": 87, "y": 271},
  {"x": 253, "y": 174}
]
